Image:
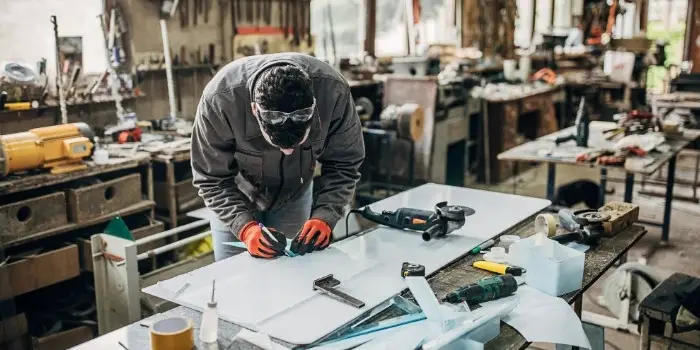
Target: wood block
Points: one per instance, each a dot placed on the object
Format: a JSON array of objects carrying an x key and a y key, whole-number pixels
[
  {"x": 64, "y": 340},
  {"x": 41, "y": 270},
  {"x": 30, "y": 216},
  {"x": 622, "y": 215},
  {"x": 13, "y": 328},
  {"x": 93, "y": 201}
]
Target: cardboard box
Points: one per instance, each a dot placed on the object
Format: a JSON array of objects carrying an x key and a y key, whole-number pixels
[
  {"x": 40, "y": 270},
  {"x": 63, "y": 340}
]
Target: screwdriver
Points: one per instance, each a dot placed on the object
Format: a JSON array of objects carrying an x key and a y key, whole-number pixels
[{"x": 487, "y": 289}]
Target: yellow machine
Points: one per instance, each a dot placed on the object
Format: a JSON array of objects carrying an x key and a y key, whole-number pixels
[{"x": 60, "y": 148}]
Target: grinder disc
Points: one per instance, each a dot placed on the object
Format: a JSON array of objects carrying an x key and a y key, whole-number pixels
[
  {"x": 592, "y": 216},
  {"x": 454, "y": 212}
]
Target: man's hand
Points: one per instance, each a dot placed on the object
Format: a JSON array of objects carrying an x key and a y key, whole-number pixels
[
  {"x": 315, "y": 235},
  {"x": 260, "y": 244}
]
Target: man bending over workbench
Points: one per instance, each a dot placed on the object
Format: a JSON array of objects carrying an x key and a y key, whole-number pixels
[{"x": 261, "y": 125}]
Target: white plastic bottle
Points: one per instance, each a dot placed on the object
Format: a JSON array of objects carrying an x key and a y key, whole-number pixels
[{"x": 210, "y": 320}]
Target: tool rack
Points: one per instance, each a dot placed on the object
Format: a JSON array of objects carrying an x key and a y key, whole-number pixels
[{"x": 46, "y": 221}]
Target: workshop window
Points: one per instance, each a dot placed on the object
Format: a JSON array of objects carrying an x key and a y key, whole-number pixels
[
  {"x": 26, "y": 33},
  {"x": 523, "y": 23},
  {"x": 437, "y": 23},
  {"x": 339, "y": 21},
  {"x": 391, "y": 36}
]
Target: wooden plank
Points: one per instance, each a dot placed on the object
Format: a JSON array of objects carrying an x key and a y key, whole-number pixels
[
  {"x": 64, "y": 340},
  {"x": 17, "y": 183},
  {"x": 41, "y": 270},
  {"x": 136, "y": 208}
]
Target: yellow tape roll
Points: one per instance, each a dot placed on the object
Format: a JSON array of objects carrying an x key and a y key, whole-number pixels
[
  {"x": 173, "y": 333},
  {"x": 547, "y": 224}
]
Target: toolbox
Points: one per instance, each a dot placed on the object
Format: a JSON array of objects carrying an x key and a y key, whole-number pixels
[{"x": 93, "y": 201}]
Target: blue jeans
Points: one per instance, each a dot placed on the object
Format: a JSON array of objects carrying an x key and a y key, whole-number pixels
[{"x": 287, "y": 219}]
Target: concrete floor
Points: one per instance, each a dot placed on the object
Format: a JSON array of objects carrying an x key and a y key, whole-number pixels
[{"x": 683, "y": 255}]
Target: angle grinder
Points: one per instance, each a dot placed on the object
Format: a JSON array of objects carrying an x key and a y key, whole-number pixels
[
  {"x": 585, "y": 226},
  {"x": 438, "y": 223}
]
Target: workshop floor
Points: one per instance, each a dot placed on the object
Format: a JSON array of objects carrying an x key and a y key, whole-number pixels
[{"x": 682, "y": 256}]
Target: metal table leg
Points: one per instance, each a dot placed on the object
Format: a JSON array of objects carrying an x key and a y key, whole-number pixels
[
  {"x": 629, "y": 187},
  {"x": 551, "y": 179},
  {"x": 670, "y": 180},
  {"x": 644, "y": 342},
  {"x": 603, "y": 184}
]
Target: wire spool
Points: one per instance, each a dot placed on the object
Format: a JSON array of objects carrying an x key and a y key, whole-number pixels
[
  {"x": 406, "y": 120},
  {"x": 173, "y": 333},
  {"x": 365, "y": 108}
]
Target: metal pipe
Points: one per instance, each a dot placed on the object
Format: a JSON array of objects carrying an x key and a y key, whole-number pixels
[
  {"x": 171, "y": 246},
  {"x": 168, "y": 233},
  {"x": 168, "y": 68}
]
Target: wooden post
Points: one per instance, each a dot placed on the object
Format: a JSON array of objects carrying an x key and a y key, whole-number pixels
[{"x": 370, "y": 26}]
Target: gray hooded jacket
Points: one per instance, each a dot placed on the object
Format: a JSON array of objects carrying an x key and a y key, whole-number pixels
[{"x": 239, "y": 173}]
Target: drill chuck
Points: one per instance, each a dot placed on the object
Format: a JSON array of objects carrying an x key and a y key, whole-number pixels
[{"x": 487, "y": 289}]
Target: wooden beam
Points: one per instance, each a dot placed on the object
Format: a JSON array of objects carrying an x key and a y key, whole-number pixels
[
  {"x": 691, "y": 51},
  {"x": 370, "y": 26}
]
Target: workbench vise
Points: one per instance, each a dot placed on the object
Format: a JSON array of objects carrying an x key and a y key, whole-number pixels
[
  {"x": 60, "y": 148},
  {"x": 582, "y": 127}
]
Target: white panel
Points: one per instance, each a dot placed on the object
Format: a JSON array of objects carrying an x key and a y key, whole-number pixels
[{"x": 276, "y": 297}]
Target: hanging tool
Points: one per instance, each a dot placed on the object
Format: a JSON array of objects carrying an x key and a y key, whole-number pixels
[
  {"x": 249, "y": 12},
  {"x": 207, "y": 7},
  {"x": 281, "y": 16},
  {"x": 59, "y": 84},
  {"x": 329, "y": 18},
  {"x": 487, "y": 289},
  {"x": 309, "y": 38},
  {"x": 582, "y": 127},
  {"x": 432, "y": 224},
  {"x": 499, "y": 268},
  {"x": 184, "y": 10},
  {"x": 195, "y": 12},
  {"x": 327, "y": 285}
]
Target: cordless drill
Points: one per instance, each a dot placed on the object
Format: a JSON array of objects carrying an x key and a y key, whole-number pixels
[{"x": 487, "y": 289}]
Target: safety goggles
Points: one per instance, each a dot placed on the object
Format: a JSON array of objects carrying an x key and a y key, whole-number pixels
[{"x": 277, "y": 117}]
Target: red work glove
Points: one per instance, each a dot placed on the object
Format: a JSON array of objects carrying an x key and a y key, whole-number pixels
[
  {"x": 315, "y": 235},
  {"x": 260, "y": 244}
]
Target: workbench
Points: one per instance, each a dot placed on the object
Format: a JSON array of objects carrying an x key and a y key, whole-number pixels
[
  {"x": 537, "y": 151},
  {"x": 531, "y": 115},
  {"x": 598, "y": 261}
]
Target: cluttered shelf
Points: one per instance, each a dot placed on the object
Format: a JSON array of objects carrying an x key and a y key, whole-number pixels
[
  {"x": 193, "y": 67},
  {"x": 24, "y": 182},
  {"x": 132, "y": 209},
  {"x": 54, "y": 104}
]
